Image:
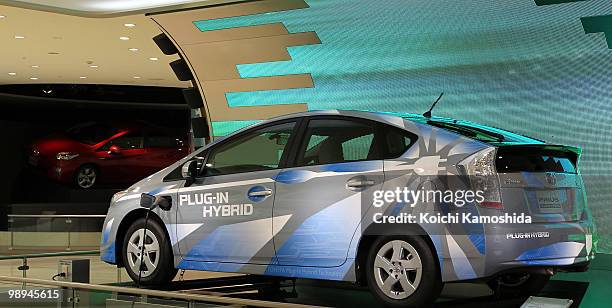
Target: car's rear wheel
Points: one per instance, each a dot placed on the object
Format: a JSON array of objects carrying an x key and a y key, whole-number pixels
[
  {"x": 401, "y": 272},
  {"x": 519, "y": 284},
  {"x": 86, "y": 176},
  {"x": 155, "y": 265}
]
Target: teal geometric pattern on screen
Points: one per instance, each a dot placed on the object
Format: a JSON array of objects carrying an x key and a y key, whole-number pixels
[
  {"x": 228, "y": 127},
  {"x": 595, "y": 24},
  {"x": 513, "y": 64}
]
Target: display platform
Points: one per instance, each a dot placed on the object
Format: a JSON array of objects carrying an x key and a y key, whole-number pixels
[
  {"x": 337, "y": 294},
  {"x": 58, "y": 197}
]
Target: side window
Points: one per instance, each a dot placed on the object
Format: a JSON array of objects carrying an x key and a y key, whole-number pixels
[
  {"x": 128, "y": 141},
  {"x": 257, "y": 151},
  {"x": 397, "y": 141},
  {"x": 161, "y": 141},
  {"x": 335, "y": 141}
]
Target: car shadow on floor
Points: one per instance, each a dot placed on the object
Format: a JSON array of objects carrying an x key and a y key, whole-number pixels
[{"x": 471, "y": 295}]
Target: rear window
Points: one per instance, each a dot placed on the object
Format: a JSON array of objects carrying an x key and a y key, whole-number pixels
[
  {"x": 534, "y": 159},
  {"x": 482, "y": 133}
]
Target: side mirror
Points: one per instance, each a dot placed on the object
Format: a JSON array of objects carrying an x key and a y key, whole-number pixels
[
  {"x": 190, "y": 171},
  {"x": 114, "y": 149}
]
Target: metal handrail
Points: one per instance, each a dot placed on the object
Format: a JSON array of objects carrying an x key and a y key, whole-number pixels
[
  {"x": 54, "y": 216},
  {"x": 51, "y": 254},
  {"x": 157, "y": 293}
]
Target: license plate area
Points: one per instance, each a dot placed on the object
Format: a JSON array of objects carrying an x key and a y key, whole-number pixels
[
  {"x": 551, "y": 201},
  {"x": 33, "y": 160}
]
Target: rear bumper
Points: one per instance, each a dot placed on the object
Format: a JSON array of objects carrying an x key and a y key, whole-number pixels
[
  {"x": 540, "y": 270},
  {"x": 557, "y": 263},
  {"x": 559, "y": 246}
]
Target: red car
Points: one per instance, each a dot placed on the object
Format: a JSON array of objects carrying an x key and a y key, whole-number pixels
[{"x": 94, "y": 153}]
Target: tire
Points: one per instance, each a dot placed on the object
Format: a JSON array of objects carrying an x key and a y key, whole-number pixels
[
  {"x": 417, "y": 266},
  {"x": 86, "y": 176},
  {"x": 518, "y": 285},
  {"x": 158, "y": 254}
]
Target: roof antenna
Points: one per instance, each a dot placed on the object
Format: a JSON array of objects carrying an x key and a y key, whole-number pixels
[{"x": 428, "y": 113}]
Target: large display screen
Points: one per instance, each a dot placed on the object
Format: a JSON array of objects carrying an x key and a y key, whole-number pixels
[{"x": 542, "y": 68}]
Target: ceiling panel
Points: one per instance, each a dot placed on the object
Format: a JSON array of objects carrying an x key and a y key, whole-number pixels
[
  {"x": 102, "y": 8},
  {"x": 43, "y": 47}
]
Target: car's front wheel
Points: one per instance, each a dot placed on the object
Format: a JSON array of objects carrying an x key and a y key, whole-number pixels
[
  {"x": 86, "y": 176},
  {"x": 401, "y": 271},
  {"x": 154, "y": 264}
]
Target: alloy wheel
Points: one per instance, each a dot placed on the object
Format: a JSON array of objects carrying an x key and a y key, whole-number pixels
[
  {"x": 86, "y": 177},
  {"x": 398, "y": 269},
  {"x": 147, "y": 261}
]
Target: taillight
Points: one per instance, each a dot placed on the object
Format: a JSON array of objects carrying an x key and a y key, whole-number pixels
[{"x": 480, "y": 168}]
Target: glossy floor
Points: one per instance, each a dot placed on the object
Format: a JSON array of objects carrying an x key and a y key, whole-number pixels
[{"x": 592, "y": 287}]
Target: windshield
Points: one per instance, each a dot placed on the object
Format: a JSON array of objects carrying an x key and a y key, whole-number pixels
[{"x": 91, "y": 133}]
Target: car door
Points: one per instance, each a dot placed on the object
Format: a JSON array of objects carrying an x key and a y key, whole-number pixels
[
  {"x": 228, "y": 210},
  {"x": 128, "y": 163},
  {"x": 338, "y": 165},
  {"x": 162, "y": 150}
]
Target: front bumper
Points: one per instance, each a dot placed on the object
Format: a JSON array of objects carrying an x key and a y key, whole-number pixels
[
  {"x": 64, "y": 171},
  {"x": 61, "y": 171}
]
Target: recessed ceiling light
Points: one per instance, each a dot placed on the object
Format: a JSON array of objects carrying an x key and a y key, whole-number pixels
[
  {"x": 12, "y": 74},
  {"x": 19, "y": 37},
  {"x": 133, "y": 49},
  {"x": 35, "y": 66},
  {"x": 130, "y": 25},
  {"x": 124, "y": 38},
  {"x": 2, "y": 16},
  {"x": 93, "y": 66},
  {"x": 153, "y": 59},
  {"x": 34, "y": 78},
  {"x": 136, "y": 77},
  {"x": 83, "y": 77}
]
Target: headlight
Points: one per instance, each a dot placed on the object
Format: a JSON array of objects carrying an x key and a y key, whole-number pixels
[
  {"x": 118, "y": 196},
  {"x": 66, "y": 156}
]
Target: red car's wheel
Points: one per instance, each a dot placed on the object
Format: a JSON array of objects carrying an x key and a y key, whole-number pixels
[{"x": 86, "y": 176}]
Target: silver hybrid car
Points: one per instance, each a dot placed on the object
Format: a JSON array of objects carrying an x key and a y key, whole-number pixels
[{"x": 399, "y": 202}]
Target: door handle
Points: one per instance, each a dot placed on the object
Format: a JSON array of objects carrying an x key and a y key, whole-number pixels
[
  {"x": 359, "y": 183},
  {"x": 261, "y": 193}
]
